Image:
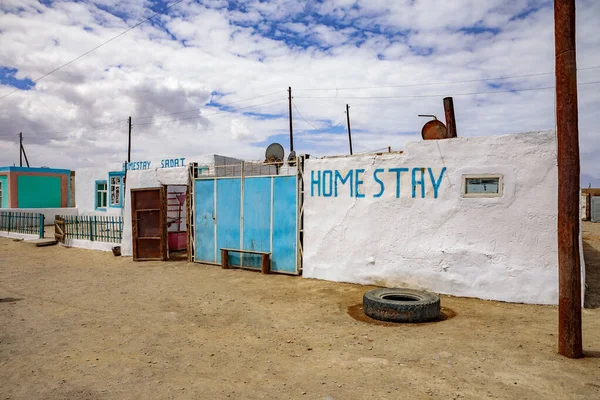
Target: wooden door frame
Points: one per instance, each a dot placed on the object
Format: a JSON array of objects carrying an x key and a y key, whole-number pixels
[{"x": 163, "y": 224}]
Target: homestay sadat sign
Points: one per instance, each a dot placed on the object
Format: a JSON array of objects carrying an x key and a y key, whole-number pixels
[{"x": 164, "y": 163}]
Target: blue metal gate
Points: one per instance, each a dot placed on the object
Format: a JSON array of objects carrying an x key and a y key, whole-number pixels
[{"x": 253, "y": 213}]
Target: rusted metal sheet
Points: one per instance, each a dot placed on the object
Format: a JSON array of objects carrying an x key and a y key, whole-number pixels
[
  {"x": 433, "y": 130},
  {"x": 450, "y": 117},
  {"x": 148, "y": 221},
  {"x": 569, "y": 268}
]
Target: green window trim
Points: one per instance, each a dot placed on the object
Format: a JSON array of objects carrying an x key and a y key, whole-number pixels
[{"x": 100, "y": 195}]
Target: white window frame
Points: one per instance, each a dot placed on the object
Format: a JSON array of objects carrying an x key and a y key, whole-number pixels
[
  {"x": 118, "y": 184},
  {"x": 500, "y": 178}
]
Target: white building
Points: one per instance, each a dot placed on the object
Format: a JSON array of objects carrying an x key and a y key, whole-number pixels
[{"x": 469, "y": 217}]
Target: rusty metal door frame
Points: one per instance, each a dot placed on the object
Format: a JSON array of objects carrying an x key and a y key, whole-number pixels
[{"x": 162, "y": 227}]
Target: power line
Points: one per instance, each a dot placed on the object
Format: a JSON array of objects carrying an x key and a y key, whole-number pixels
[
  {"x": 210, "y": 115},
  {"x": 301, "y": 116},
  {"x": 371, "y": 151},
  {"x": 438, "y": 95},
  {"x": 199, "y": 109},
  {"x": 439, "y": 83},
  {"x": 95, "y": 48},
  {"x": 317, "y": 129}
]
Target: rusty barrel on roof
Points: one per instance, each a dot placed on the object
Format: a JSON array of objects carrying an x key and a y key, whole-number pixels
[{"x": 433, "y": 130}]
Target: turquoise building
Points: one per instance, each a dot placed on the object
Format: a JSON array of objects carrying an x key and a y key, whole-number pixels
[{"x": 23, "y": 187}]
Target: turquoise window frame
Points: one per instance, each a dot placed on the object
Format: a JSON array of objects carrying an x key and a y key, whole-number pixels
[
  {"x": 119, "y": 174},
  {"x": 96, "y": 195}
]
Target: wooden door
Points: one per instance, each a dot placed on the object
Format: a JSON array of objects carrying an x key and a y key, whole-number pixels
[{"x": 149, "y": 225}]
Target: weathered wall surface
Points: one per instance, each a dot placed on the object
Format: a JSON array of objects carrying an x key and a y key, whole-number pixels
[
  {"x": 14, "y": 235},
  {"x": 147, "y": 179},
  {"x": 85, "y": 191},
  {"x": 418, "y": 231},
  {"x": 90, "y": 245}
]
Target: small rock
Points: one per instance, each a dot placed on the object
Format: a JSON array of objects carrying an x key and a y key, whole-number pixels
[{"x": 373, "y": 360}]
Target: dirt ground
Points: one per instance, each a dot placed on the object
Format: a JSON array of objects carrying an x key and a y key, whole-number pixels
[{"x": 77, "y": 324}]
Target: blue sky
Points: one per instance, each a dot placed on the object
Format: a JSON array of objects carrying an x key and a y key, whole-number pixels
[{"x": 231, "y": 62}]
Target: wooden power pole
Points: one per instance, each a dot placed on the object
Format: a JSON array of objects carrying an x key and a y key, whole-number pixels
[
  {"x": 20, "y": 149},
  {"x": 349, "y": 131},
  {"x": 569, "y": 268},
  {"x": 291, "y": 128}
]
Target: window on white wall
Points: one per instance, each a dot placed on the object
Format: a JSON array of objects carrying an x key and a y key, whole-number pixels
[
  {"x": 115, "y": 191},
  {"x": 482, "y": 185},
  {"x": 101, "y": 194}
]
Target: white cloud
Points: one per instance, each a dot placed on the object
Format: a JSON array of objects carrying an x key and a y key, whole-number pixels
[{"x": 226, "y": 55}]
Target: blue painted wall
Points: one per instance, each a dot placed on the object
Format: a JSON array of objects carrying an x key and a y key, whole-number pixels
[
  {"x": 228, "y": 217},
  {"x": 205, "y": 227},
  {"x": 284, "y": 224},
  {"x": 257, "y": 219}
]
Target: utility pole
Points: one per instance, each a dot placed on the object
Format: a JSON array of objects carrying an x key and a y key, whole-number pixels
[
  {"x": 349, "y": 131},
  {"x": 291, "y": 128},
  {"x": 569, "y": 268},
  {"x": 129, "y": 147},
  {"x": 22, "y": 151}
]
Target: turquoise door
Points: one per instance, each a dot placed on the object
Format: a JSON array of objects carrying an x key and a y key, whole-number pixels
[
  {"x": 257, "y": 219},
  {"x": 285, "y": 225},
  {"x": 205, "y": 220},
  {"x": 261, "y": 216},
  {"x": 228, "y": 217}
]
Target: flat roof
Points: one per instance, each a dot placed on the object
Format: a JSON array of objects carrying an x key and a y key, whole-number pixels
[{"x": 35, "y": 169}]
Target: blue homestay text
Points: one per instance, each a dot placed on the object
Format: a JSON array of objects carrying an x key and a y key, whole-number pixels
[{"x": 328, "y": 182}]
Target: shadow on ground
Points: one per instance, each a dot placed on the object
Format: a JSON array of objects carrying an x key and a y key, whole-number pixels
[{"x": 9, "y": 299}]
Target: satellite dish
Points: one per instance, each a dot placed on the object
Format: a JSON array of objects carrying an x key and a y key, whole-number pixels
[
  {"x": 274, "y": 153},
  {"x": 292, "y": 158}
]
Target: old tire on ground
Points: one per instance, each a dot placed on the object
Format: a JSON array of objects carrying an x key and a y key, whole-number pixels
[{"x": 401, "y": 305}]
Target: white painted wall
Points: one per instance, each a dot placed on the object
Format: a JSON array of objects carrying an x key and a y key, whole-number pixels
[
  {"x": 493, "y": 248},
  {"x": 85, "y": 190},
  {"x": 90, "y": 245},
  {"x": 49, "y": 213},
  {"x": 147, "y": 179},
  {"x": 14, "y": 235}
]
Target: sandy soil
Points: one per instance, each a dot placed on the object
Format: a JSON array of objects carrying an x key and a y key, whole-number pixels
[{"x": 78, "y": 324}]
